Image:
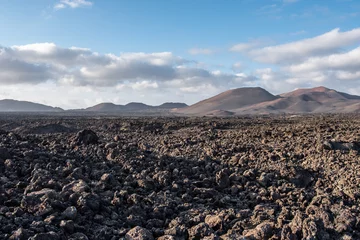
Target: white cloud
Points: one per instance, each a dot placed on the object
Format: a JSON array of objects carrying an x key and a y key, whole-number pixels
[
  {"x": 299, "y": 51},
  {"x": 72, "y": 4},
  {"x": 38, "y": 48},
  {"x": 201, "y": 51},
  {"x": 145, "y": 85},
  {"x": 246, "y": 46},
  {"x": 342, "y": 61},
  {"x": 44, "y": 62},
  {"x": 61, "y": 57},
  {"x": 282, "y": 81},
  {"x": 355, "y": 91},
  {"x": 201, "y": 88},
  {"x": 237, "y": 66},
  {"x": 14, "y": 71},
  {"x": 331, "y": 59},
  {"x": 343, "y": 75}
]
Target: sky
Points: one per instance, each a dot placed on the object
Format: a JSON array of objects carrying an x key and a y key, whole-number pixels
[{"x": 78, "y": 53}]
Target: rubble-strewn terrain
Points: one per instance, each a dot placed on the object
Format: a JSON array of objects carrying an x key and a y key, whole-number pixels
[{"x": 281, "y": 177}]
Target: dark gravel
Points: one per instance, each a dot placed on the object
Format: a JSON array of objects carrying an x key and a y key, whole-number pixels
[{"x": 273, "y": 177}]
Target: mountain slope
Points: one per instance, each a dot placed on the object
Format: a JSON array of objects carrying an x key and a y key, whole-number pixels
[
  {"x": 259, "y": 101},
  {"x": 308, "y": 100},
  {"x": 10, "y": 105},
  {"x": 229, "y": 100},
  {"x": 136, "y": 106},
  {"x": 133, "y": 107},
  {"x": 320, "y": 91},
  {"x": 170, "y": 105},
  {"x": 105, "y": 107}
]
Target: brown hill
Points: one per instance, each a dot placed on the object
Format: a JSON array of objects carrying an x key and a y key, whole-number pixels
[
  {"x": 105, "y": 107},
  {"x": 10, "y": 105},
  {"x": 308, "y": 100},
  {"x": 298, "y": 104},
  {"x": 321, "y": 94},
  {"x": 302, "y": 91},
  {"x": 258, "y": 101},
  {"x": 137, "y": 106},
  {"x": 229, "y": 100},
  {"x": 171, "y": 105},
  {"x": 133, "y": 107}
]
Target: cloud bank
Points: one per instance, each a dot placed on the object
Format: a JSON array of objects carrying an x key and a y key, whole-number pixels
[
  {"x": 41, "y": 62},
  {"x": 331, "y": 59}
]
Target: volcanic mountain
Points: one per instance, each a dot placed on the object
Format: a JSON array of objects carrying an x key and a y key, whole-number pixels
[
  {"x": 171, "y": 105},
  {"x": 312, "y": 100},
  {"x": 259, "y": 101},
  {"x": 133, "y": 107},
  {"x": 229, "y": 100},
  {"x": 105, "y": 107},
  {"x": 10, "y": 105}
]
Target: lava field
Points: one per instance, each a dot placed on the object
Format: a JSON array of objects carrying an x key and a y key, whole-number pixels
[{"x": 265, "y": 177}]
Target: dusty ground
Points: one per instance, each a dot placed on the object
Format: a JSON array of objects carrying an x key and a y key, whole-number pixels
[{"x": 180, "y": 178}]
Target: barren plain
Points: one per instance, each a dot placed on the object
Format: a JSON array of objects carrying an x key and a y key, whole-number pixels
[{"x": 261, "y": 177}]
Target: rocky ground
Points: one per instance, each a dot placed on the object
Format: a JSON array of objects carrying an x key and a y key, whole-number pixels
[{"x": 295, "y": 177}]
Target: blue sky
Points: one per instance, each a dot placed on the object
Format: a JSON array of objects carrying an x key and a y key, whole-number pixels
[{"x": 157, "y": 51}]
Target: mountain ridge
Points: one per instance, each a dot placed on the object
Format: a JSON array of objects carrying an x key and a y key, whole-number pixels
[
  {"x": 238, "y": 101},
  {"x": 11, "y": 105},
  {"x": 231, "y": 99},
  {"x": 259, "y": 101},
  {"x": 133, "y": 106}
]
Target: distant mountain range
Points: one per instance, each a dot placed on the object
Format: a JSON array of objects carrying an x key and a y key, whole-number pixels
[
  {"x": 259, "y": 101},
  {"x": 9, "y": 105},
  {"x": 133, "y": 106},
  {"x": 253, "y": 100}
]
